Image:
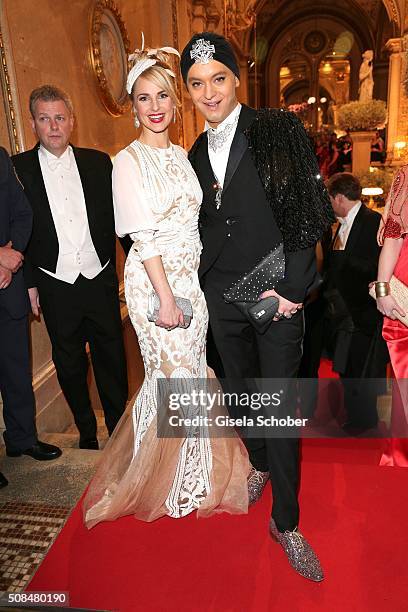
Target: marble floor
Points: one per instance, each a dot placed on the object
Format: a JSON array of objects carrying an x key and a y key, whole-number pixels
[{"x": 36, "y": 503}]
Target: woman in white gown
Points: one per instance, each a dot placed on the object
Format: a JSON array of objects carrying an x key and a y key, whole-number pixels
[{"x": 157, "y": 199}]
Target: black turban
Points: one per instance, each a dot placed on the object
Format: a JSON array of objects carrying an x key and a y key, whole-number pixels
[{"x": 200, "y": 45}]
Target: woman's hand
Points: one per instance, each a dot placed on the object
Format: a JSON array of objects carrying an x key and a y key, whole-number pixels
[
  {"x": 387, "y": 305},
  {"x": 170, "y": 316}
]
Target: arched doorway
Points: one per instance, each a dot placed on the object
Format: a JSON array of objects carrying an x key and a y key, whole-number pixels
[{"x": 313, "y": 51}]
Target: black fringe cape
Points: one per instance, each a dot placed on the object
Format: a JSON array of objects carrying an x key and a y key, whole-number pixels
[{"x": 288, "y": 169}]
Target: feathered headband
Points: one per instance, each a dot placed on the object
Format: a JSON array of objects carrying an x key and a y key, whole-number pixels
[{"x": 144, "y": 60}]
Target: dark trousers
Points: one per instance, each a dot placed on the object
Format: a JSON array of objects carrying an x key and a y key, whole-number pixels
[
  {"x": 87, "y": 311},
  {"x": 276, "y": 354},
  {"x": 360, "y": 394},
  {"x": 313, "y": 344},
  {"x": 15, "y": 383}
]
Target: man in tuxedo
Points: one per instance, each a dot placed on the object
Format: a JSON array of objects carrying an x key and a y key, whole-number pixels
[
  {"x": 71, "y": 261},
  {"x": 16, "y": 389},
  {"x": 261, "y": 186},
  {"x": 352, "y": 316}
]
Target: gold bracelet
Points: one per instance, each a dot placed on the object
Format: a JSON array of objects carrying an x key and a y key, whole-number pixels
[{"x": 382, "y": 289}]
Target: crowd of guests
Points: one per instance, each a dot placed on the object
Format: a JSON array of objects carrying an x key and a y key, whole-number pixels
[
  {"x": 334, "y": 153},
  {"x": 361, "y": 335}
]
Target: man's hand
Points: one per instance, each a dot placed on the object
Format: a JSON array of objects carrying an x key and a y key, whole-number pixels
[
  {"x": 10, "y": 258},
  {"x": 5, "y": 277},
  {"x": 286, "y": 308},
  {"x": 34, "y": 301}
]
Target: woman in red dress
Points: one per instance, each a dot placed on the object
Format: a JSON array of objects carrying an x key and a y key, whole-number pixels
[{"x": 394, "y": 261}]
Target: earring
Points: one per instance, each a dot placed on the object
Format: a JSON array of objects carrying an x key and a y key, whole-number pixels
[
  {"x": 174, "y": 114},
  {"x": 135, "y": 118}
]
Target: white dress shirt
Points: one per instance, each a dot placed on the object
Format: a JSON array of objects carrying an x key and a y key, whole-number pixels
[
  {"x": 219, "y": 158},
  {"x": 76, "y": 254},
  {"x": 346, "y": 223}
]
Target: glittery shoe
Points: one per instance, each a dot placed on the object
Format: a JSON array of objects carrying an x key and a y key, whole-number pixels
[
  {"x": 300, "y": 554},
  {"x": 256, "y": 484}
]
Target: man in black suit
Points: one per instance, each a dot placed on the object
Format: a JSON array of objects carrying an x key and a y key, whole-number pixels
[
  {"x": 261, "y": 186},
  {"x": 352, "y": 316},
  {"x": 15, "y": 370},
  {"x": 71, "y": 261}
]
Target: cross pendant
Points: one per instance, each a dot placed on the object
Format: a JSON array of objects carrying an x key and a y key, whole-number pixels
[{"x": 218, "y": 196}]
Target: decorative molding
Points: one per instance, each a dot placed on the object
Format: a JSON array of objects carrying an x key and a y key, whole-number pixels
[
  {"x": 109, "y": 38},
  {"x": 314, "y": 42},
  {"x": 239, "y": 15},
  {"x": 393, "y": 12},
  {"x": 8, "y": 86},
  {"x": 205, "y": 15},
  {"x": 179, "y": 83},
  {"x": 213, "y": 16},
  {"x": 371, "y": 7},
  {"x": 404, "y": 48},
  {"x": 394, "y": 45}
]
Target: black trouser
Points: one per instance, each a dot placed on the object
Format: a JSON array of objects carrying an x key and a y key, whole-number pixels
[
  {"x": 313, "y": 344},
  {"x": 276, "y": 354},
  {"x": 16, "y": 383},
  {"x": 360, "y": 394},
  {"x": 87, "y": 311}
]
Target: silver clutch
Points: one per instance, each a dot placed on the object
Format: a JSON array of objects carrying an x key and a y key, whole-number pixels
[{"x": 153, "y": 307}]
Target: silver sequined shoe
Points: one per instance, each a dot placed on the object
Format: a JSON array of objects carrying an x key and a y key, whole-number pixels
[
  {"x": 256, "y": 484},
  {"x": 300, "y": 554}
]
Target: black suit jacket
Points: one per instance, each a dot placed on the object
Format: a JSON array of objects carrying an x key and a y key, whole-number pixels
[
  {"x": 95, "y": 170},
  {"x": 243, "y": 230},
  {"x": 357, "y": 267},
  {"x": 15, "y": 224}
]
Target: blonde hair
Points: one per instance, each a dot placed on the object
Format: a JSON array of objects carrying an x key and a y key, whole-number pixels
[{"x": 158, "y": 73}]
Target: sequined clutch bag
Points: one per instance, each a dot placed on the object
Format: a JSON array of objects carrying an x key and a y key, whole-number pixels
[
  {"x": 400, "y": 292},
  {"x": 153, "y": 308},
  {"x": 244, "y": 294}
]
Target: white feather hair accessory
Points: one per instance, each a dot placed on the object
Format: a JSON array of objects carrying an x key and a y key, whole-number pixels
[{"x": 143, "y": 63}]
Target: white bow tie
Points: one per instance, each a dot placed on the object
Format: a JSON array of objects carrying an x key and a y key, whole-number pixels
[
  {"x": 343, "y": 221},
  {"x": 54, "y": 164}
]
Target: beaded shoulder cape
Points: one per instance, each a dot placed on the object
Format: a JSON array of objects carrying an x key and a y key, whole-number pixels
[{"x": 287, "y": 166}]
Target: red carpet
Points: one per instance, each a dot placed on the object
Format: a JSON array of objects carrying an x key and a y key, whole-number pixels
[{"x": 353, "y": 511}]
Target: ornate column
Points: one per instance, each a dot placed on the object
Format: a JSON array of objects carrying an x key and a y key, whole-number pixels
[
  {"x": 394, "y": 47},
  {"x": 205, "y": 16},
  {"x": 199, "y": 16}
]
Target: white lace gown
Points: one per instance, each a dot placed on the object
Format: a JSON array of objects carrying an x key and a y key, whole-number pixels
[{"x": 157, "y": 198}]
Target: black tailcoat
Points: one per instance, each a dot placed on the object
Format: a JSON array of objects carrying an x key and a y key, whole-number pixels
[
  {"x": 88, "y": 310},
  {"x": 360, "y": 351}
]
